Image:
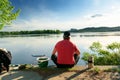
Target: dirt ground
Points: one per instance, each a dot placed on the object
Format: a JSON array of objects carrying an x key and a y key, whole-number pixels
[
  {"x": 76, "y": 73},
  {"x": 83, "y": 73},
  {"x": 15, "y": 74},
  {"x": 85, "y": 76}
]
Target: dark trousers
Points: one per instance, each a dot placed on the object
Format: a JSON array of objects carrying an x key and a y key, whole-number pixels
[{"x": 54, "y": 59}]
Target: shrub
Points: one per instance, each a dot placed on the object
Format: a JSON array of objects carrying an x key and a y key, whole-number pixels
[{"x": 107, "y": 56}]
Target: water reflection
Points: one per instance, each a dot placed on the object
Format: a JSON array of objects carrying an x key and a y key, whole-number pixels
[{"x": 22, "y": 47}]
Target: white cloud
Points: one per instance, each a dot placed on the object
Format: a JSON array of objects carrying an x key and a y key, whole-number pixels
[
  {"x": 51, "y": 20},
  {"x": 96, "y": 2},
  {"x": 111, "y": 19}
]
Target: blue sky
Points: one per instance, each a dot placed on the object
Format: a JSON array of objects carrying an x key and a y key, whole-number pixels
[{"x": 65, "y": 14}]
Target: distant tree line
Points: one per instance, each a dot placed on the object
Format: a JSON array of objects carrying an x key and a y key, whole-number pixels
[
  {"x": 96, "y": 29},
  {"x": 30, "y": 32}
]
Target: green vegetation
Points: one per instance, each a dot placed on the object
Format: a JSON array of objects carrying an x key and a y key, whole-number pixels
[
  {"x": 6, "y": 13},
  {"x": 110, "y": 55},
  {"x": 31, "y": 32},
  {"x": 95, "y": 70},
  {"x": 113, "y": 70},
  {"x": 25, "y": 67}
]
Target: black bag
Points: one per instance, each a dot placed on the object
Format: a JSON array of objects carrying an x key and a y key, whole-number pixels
[{"x": 5, "y": 58}]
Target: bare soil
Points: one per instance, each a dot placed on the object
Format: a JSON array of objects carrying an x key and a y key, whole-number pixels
[
  {"x": 81, "y": 73},
  {"x": 85, "y": 76}
]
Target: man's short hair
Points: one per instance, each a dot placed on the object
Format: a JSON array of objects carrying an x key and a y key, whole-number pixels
[{"x": 66, "y": 34}]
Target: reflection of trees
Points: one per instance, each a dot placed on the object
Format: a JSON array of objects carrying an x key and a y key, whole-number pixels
[{"x": 49, "y": 36}]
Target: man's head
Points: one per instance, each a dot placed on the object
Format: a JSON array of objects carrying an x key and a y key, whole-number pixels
[{"x": 66, "y": 35}]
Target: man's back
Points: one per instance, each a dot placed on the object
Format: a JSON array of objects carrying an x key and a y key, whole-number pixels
[{"x": 65, "y": 49}]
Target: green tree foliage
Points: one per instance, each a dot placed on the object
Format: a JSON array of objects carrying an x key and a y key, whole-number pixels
[
  {"x": 6, "y": 13},
  {"x": 96, "y": 46},
  {"x": 115, "y": 47},
  {"x": 30, "y": 32},
  {"x": 104, "y": 56}
]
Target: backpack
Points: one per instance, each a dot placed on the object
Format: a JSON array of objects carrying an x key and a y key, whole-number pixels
[{"x": 5, "y": 56}]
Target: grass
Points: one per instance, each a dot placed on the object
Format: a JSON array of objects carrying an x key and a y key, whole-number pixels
[
  {"x": 113, "y": 70},
  {"x": 96, "y": 70}
]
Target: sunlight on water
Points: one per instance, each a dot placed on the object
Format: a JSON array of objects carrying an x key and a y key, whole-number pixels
[{"x": 23, "y": 47}]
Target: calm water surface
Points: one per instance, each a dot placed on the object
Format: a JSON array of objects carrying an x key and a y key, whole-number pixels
[{"x": 22, "y": 47}]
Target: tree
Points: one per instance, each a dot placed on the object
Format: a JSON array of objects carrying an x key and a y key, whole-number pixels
[
  {"x": 96, "y": 46},
  {"x": 6, "y": 13},
  {"x": 110, "y": 55},
  {"x": 115, "y": 47}
]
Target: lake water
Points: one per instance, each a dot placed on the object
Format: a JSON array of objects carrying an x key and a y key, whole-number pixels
[{"x": 23, "y": 47}]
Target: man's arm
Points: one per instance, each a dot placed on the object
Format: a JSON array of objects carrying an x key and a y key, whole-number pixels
[
  {"x": 54, "y": 51},
  {"x": 77, "y": 52}
]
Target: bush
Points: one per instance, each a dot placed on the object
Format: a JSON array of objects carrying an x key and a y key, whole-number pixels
[
  {"x": 108, "y": 56},
  {"x": 23, "y": 66}
]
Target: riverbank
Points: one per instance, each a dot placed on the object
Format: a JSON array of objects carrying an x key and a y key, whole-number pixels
[{"x": 53, "y": 73}]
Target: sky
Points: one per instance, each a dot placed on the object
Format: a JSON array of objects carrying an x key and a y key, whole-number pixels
[{"x": 65, "y": 14}]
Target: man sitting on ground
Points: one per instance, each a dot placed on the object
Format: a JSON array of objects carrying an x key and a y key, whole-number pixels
[{"x": 67, "y": 52}]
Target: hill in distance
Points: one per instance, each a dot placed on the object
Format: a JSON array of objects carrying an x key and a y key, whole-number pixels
[{"x": 96, "y": 29}]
